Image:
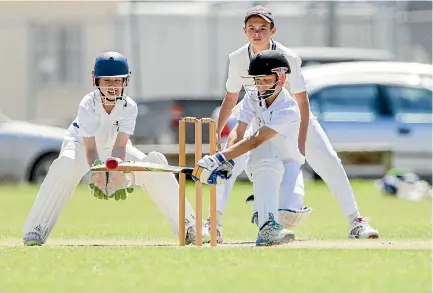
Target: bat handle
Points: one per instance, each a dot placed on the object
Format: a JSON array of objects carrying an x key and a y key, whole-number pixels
[{"x": 187, "y": 171}]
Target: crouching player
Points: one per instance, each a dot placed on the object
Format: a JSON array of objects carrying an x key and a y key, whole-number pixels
[
  {"x": 274, "y": 117},
  {"x": 106, "y": 118}
]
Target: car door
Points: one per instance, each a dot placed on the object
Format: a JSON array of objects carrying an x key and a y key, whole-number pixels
[
  {"x": 8, "y": 143},
  {"x": 351, "y": 114},
  {"x": 352, "y": 117},
  {"x": 412, "y": 110}
]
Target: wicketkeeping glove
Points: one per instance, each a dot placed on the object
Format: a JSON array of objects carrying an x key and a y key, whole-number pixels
[
  {"x": 117, "y": 185},
  {"x": 98, "y": 182}
]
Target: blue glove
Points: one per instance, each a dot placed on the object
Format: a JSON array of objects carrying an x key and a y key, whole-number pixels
[{"x": 225, "y": 170}]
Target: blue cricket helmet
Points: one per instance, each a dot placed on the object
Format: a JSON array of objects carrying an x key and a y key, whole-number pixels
[{"x": 111, "y": 64}]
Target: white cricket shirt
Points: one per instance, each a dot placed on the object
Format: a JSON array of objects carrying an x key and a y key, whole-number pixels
[
  {"x": 239, "y": 62},
  {"x": 93, "y": 121},
  {"x": 283, "y": 116}
]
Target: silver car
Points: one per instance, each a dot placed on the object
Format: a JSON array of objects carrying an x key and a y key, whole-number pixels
[
  {"x": 27, "y": 150},
  {"x": 376, "y": 103}
]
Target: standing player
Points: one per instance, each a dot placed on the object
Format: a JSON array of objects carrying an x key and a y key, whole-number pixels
[
  {"x": 106, "y": 118},
  {"x": 314, "y": 144},
  {"x": 274, "y": 118}
]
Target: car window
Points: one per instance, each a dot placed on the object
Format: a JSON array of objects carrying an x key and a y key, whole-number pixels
[
  {"x": 348, "y": 102},
  {"x": 408, "y": 100}
]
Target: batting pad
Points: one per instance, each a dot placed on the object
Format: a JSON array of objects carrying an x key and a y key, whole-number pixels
[
  {"x": 163, "y": 188},
  {"x": 293, "y": 218}
]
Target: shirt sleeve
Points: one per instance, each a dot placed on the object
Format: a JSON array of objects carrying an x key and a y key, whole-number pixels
[
  {"x": 87, "y": 120},
  {"x": 297, "y": 82},
  {"x": 285, "y": 121},
  {"x": 127, "y": 124},
  {"x": 246, "y": 112},
  {"x": 234, "y": 79}
]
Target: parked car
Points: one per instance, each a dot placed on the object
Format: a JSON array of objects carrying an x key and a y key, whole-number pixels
[
  {"x": 27, "y": 150},
  {"x": 367, "y": 103},
  {"x": 324, "y": 55},
  {"x": 375, "y": 103}
]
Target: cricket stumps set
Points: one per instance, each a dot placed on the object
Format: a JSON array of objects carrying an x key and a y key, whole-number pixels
[
  {"x": 113, "y": 164},
  {"x": 198, "y": 145}
]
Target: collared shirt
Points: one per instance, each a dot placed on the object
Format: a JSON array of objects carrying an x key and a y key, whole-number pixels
[
  {"x": 282, "y": 116},
  {"x": 240, "y": 61},
  {"x": 93, "y": 121}
]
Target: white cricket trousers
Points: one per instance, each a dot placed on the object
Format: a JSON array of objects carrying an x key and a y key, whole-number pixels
[
  {"x": 321, "y": 156},
  {"x": 67, "y": 170}
]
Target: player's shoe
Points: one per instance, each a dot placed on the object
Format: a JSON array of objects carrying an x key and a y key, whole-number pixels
[
  {"x": 206, "y": 232},
  {"x": 273, "y": 233},
  {"x": 32, "y": 239},
  {"x": 190, "y": 235},
  {"x": 360, "y": 229}
]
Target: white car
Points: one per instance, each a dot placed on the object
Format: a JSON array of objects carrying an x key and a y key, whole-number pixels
[
  {"x": 27, "y": 150},
  {"x": 382, "y": 103}
]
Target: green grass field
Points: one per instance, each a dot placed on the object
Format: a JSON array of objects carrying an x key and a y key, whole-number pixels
[{"x": 109, "y": 246}]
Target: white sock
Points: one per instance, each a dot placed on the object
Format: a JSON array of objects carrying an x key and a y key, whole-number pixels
[{"x": 353, "y": 217}]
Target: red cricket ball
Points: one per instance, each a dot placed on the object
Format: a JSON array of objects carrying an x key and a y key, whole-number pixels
[{"x": 111, "y": 163}]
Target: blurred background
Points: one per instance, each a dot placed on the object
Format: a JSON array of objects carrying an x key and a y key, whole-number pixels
[{"x": 367, "y": 66}]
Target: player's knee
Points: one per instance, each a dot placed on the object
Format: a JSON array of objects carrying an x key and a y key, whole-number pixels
[
  {"x": 156, "y": 157},
  {"x": 325, "y": 154},
  {"x": 331, "y": 159},
  {"x": 63, "y": 164}
]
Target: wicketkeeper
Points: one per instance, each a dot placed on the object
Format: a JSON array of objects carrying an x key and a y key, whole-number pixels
[{"x": 106, "y": 118}]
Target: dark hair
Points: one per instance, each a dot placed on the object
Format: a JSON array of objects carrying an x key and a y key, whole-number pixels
[{"x": 251, "y": 16}]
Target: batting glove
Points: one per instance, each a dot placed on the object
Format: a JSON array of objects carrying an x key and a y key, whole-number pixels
[{"x": 212, "y": 169}]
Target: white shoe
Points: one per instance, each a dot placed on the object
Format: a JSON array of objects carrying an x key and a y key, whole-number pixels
[
  {"x": 206, "y": 232},
  {"x": 360, "y": 229},
  {"x": 32, "y": 239},
  {"x": 273, "y": 233}
]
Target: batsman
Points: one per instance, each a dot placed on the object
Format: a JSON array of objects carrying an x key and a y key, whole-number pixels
[
  {"x": 274, "y": 117},
  {"x": 106, "y": 118}
]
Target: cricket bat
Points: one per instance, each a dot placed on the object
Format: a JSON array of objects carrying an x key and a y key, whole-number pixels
[{"x": 113, "y": 164}]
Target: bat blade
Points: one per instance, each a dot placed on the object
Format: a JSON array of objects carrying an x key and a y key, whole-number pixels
[{"x": 130, "y": 166}]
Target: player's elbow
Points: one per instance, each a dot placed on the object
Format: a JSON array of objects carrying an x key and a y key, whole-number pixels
[
  {"x": 232, "y": 96},
  {"x": 256, "y": 141},
  {"x": 264, "y": 134},
  {"x": 302, "y": 98}
]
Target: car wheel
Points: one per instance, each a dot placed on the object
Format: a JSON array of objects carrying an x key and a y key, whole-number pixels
[{"x": 41, "y": 167}]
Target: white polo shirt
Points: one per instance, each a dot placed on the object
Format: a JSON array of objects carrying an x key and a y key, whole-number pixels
[
  {"x": 239, "y": 61},
  {"x": 93, "y": 121},
  {"x": 283, "y": 116}
]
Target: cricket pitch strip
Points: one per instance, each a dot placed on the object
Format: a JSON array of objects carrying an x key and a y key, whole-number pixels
[{"x": 297, "y": 244}]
